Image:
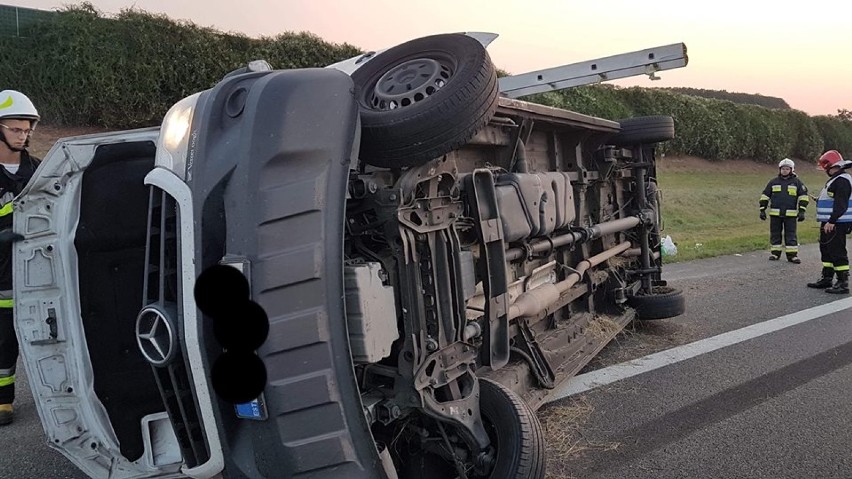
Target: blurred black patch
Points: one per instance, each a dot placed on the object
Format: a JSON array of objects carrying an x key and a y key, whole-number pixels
[
  {"x": 245, "y": 330},
  {"x": 221, "y": 291},
  {"x": 238, "y": 376}
]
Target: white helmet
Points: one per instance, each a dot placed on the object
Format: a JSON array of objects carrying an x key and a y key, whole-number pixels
[
  {"x": 787, "y": 162},
  {"x": 14, "y": 104}
]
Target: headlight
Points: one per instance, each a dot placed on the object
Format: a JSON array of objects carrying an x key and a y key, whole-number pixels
[{"x": 173, "y": 143}]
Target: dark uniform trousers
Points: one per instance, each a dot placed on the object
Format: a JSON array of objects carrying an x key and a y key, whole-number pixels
[
  {"x": 8, "y": 356},
  {"x": 787, "y": 225},
  {"x": 832, "y": 247}
]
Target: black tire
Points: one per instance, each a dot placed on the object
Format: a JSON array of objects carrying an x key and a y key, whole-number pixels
[
  {"x": 645, "y": 130},
  {"x": 664, "y": 303},
  {"x": 515, "y": 433},
  {"x": 448, "y": 92},
  {"x": 514, "y": 430}
]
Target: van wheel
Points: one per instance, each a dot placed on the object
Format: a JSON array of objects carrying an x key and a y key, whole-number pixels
[
  {"x": 664, "y": 302},
  {"x": 423, "y": 99},
  {"x": 514, "y": 430},
  {"x": 516, "y": 437},
  {"x": 644, "y": 130}
]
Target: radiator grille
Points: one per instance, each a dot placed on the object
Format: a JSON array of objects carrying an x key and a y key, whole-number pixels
[{"x": 162, "y": 288}]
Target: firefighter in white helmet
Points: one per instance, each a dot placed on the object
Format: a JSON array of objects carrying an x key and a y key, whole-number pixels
[
  {"x": 787, "y": 199},
  {"x": 18, "y": 119}
]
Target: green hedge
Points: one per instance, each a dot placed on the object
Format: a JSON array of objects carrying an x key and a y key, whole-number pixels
[
  {"x": 82, "y": 68},
  {"x": 714, "y": 129}
]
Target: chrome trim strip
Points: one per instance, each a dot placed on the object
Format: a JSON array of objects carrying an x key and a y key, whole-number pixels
[{"x": 174, "y": 186}]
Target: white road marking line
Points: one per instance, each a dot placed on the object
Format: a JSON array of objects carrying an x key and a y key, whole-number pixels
[{"x": 601, "y": 377}]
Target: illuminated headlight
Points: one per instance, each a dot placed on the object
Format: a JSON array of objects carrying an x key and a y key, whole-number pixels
[{"x": 173, "y": 143}]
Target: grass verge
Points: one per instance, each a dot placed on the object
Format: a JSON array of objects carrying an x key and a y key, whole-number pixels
[{"x": 710, "y": 208}]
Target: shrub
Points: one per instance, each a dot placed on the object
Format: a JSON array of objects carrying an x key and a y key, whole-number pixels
[{"x": 81, "y": 68}]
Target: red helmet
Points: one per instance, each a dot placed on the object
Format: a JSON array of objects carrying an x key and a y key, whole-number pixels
[{"x": 830, "y": 158}]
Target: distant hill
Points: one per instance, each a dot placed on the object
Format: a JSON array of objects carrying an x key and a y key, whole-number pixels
[{"x": 741, "y": 98}]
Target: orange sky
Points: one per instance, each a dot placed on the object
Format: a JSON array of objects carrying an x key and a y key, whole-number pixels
[{"x": 801, "y": 53}]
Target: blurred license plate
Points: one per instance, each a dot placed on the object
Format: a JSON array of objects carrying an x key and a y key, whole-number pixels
[{"x": 255, "y": 409}]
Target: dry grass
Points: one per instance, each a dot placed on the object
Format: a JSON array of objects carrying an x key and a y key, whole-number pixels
[
  {"x": 618, "y": 262},
  {"x": 602, "y": 327},
  {"x": 599, "y": 275},
  {"x": 563, "y": 426},
  {"x": 641, "y": 338}
]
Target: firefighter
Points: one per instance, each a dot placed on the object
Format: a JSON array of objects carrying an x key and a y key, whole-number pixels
[
  {"x": 18, "y": 119},
  {"x": 787, "y": 199},
  {"x": 835, "y": 216}
]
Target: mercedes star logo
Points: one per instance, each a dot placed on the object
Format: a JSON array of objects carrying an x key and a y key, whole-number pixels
[{"x": 155, "y": 336}]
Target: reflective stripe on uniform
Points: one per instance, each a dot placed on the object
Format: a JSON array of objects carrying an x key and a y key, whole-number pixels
[
  {"x": 6, "y": 300},
  {"x": 776, "y": 188},
  {"x": 827, "y": 265},
  {"x": 6, "y": 209},
  {"x": 763, "y": 198},
  {"x": 792, "y": 249},
  {"x": 844, "y": 267},
  {"x": 774, "y": 212},
  {"x": 775, "y": 247},
  {"x": 791, "y": 213},
  {"x": 7, "y": 381},
  {"x": 825, "y": 202},
  {"x": 792, "y": 190}
]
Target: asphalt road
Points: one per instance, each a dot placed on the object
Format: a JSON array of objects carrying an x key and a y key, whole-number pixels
[
  {"x": 24, "y": 453},
  {"x": 776, "y": 406}
]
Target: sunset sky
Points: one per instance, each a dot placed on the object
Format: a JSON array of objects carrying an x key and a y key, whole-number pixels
[{"x": 801, "y": 52}]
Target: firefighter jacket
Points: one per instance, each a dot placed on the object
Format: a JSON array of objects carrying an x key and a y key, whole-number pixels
[
  {"x": 11, "y": 185},
  {"x": 785, "y": 196},
  {"x": 833, "y": 203}
]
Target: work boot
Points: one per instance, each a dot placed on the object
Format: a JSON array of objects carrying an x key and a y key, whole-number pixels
[
  {"x": 6, "y": 415},
  {"x": 774, "y": 257},
  {"x": 842, "y": 284},
  {"x": 794, "y": 259},
  {"x": 825, "y": 280}
]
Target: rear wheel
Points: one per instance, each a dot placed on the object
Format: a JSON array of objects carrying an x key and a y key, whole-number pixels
[
  {"x": 664, "y": 302},
  {"x": 423, "y": 99},
  {"x": 645, "y": 130}
]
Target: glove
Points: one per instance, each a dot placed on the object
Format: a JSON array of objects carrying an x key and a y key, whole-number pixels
[
  {"x": 8, "y": 236},
  {"x": 762, "y": 215},
  {"x": 801, "y": 216}
]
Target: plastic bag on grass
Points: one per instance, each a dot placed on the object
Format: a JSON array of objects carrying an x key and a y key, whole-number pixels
[{"x": 668, "y": 248}]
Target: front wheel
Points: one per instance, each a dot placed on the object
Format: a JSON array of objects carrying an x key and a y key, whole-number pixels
[
  {"x": 517, "y": 443},
  {"x": 514, "y": 430}
]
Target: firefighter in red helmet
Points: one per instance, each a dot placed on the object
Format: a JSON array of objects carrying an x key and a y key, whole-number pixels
[{"x": 834, "y": 212}]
